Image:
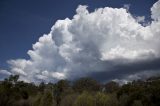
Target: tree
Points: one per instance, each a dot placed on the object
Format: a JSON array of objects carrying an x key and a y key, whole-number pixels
[
  {"x": 60, "y": 89},
  {"x": 13, "y": 78},
  {"x": 85, "y": 99},
  {"x": 69, "y": 100},
  {"x": 86, "y": 84},
  {"x": 101, "y": 99},
  {"x": 45, "y": 99},
  {"x": 111, "y": 86},
  {"x": 137, "y": 103},
  {"x": 42, "y": 86}
]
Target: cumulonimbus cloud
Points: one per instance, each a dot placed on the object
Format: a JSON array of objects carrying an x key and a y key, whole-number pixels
[{"x": 92, "y": 42}]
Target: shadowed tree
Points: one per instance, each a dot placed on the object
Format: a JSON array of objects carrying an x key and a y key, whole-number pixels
[
  {"x": 86, "y": 84},
  {"x": 60, "y": 89},
  {"x": 111, "y": 86}
]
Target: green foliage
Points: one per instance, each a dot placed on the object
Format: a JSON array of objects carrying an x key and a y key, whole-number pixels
[
  {"x": 123, "y": 100},
  {"x": 111, "y": 87},
  {"x": 148, "y": 92},
  {"x": 84, "y": 92},
  {"x": 41, "y": 86},
  {"x": 45, "y": 99},
  {"x": 13, "y": 79},
  {"x": 69, "y": 100},
  {"x": 85, "y": 99},
  {"x": 101, "y": 99},
  {"x": 86, "y": 84},
  {"x": 113, "y": 101},
  {"x": 61, "y": 88},
  {"x": 137, "y": 103}
]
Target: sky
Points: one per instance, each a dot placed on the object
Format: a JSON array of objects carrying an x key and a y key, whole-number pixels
[{"x": 48, "y": 40}]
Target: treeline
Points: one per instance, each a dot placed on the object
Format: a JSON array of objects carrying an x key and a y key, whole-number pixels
[{"x": 82, "y": 92}]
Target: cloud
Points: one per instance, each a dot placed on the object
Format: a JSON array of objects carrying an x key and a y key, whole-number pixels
[
  {"x": 155, "y": 11},
  {"x": 141, "y": 75},
  {"x": 108, "y": 41},
  {"x": 140, "y": 18},
  {"x": 5, "y": 72},
  {"x": 122, "y": 70},
  {"x": 126, "y": 6}
]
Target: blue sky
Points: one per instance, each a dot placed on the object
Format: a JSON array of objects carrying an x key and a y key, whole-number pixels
[{"x": 23, "y": 22}]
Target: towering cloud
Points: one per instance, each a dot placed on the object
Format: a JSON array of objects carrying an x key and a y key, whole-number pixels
[{"x": 108, "y": 44}]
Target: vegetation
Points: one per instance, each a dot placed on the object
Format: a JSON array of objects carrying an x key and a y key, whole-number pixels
[{"x": 82, "y": 92}]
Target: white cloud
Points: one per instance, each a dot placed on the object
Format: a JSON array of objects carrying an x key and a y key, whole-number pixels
[
  {"x": 75, "y": 47},
  {"x": 155, "y": 11},
  {"x": 119, "y": 52},
  {"x": 140, "y": 18},
  {"x": 126, "y": 6},
  {"x": 137, "y": 76},
  {"x": 5, "y": 72}
]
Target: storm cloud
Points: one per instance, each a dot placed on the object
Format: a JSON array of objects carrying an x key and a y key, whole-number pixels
[{"x": 107, "y": 44}]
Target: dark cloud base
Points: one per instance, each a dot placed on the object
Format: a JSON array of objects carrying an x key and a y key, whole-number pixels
[{"x": 119, "y": 71}]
